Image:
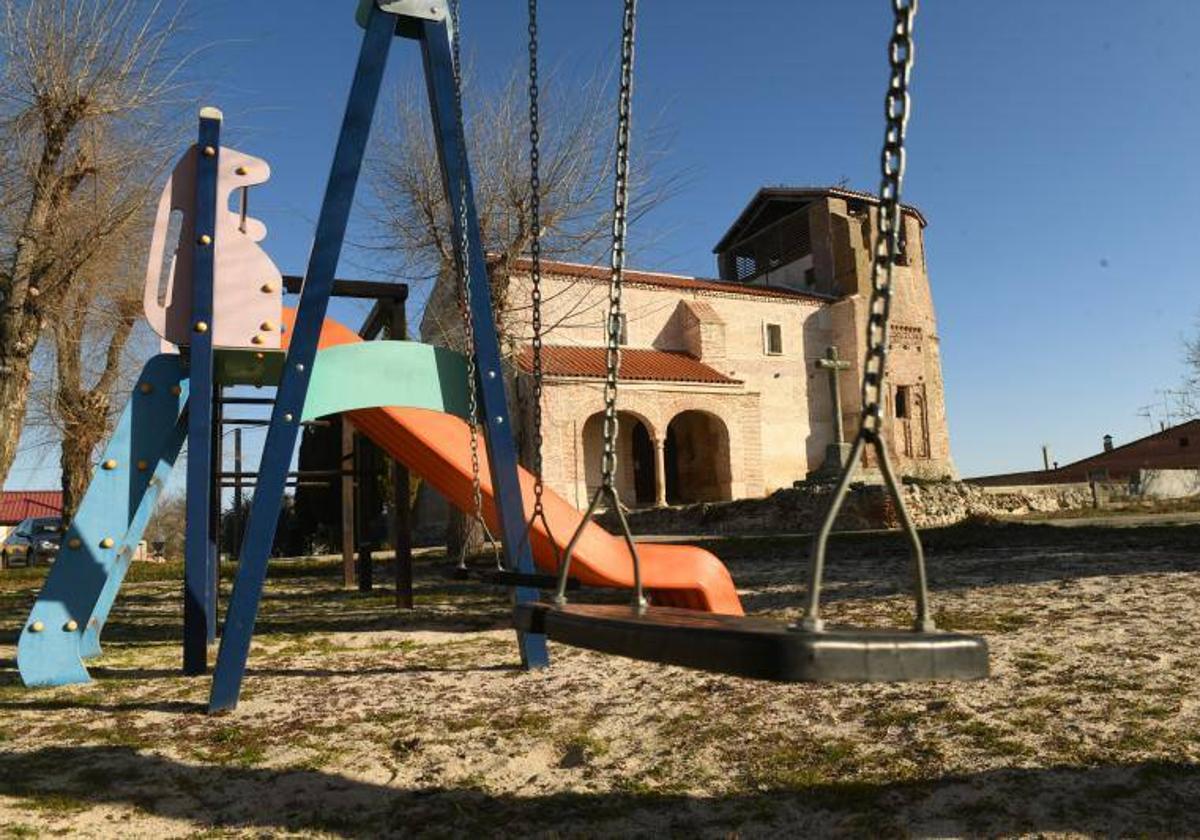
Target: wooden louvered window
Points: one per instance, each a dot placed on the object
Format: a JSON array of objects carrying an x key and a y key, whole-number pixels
[{"x": 777, "y": 244}]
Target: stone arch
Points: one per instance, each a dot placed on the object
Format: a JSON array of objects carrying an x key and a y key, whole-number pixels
[
  {"x": 635, "y": 457},
  {"x": 697, "y": 458}
]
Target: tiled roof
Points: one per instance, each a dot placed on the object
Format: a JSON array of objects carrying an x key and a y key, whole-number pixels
[
  {"x": 636, "y": 365},
  {"x": 16, "y": 505},
  {"x": 667, "y": 281}
]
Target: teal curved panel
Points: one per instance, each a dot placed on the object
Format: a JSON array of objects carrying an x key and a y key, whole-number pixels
[
  {"x": 407, "y": 374},
  {"x": 65, "y": 623}
]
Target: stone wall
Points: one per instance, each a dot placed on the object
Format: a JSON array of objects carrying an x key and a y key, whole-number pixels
[
  {"x": 867, "y": 507},
  {"x": 781, "y": 404}
]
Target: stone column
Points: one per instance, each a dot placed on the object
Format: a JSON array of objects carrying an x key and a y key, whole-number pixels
[{"x": 660, "y": 472}]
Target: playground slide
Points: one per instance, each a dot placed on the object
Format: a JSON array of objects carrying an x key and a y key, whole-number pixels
[{"x": 436, "y": 446}]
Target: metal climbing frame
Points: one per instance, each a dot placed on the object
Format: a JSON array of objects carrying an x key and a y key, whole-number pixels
[{"x": 429, "y": 24}]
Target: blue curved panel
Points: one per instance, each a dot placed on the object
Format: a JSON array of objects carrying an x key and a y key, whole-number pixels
[{"x": 65, "y": 622}]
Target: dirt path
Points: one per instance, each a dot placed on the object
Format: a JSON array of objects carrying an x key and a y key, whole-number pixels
[{"x": 360, "y": 722}]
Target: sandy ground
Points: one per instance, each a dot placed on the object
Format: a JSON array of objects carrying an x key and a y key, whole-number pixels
[{"x": 359, "y": 721}]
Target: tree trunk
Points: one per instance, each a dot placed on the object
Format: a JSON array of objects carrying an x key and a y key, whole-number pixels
[
  {"x": 81, "y": 438},
  {"x": 16, "y": 374},
  {"x": 462, "y": 528}
]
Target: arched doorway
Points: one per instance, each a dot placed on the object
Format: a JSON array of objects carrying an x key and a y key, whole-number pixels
[
  {"x": 696, "y": 455},
  {"x": 635, "y": 458}
]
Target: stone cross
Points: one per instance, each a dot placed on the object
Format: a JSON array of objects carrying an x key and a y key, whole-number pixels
[
  {"x": 834, "y": 366},
  {"x": 837, "y": 452}
]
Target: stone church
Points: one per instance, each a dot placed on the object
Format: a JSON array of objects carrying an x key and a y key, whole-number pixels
[{"x": 723, "y": 393}]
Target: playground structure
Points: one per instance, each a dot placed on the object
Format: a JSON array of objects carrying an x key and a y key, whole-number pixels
[
  {"x": 222, "y": 312},
  {"x": 222, "y": 323}
]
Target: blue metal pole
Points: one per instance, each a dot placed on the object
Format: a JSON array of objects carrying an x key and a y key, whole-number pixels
[
  {"x": 293, "y": 388},
  {"x": 199, "y": 552},
  {"x": 489, "y": 382}
]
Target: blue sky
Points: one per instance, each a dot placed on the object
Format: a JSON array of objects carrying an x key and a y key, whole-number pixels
[{"x": 1049, "y": 148}]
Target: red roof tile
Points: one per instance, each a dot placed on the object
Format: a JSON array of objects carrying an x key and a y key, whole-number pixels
[
  {"x": 16, "y": 505},
  {"x": 667, "y": 281},
  {"x": 636, "y": 365}
]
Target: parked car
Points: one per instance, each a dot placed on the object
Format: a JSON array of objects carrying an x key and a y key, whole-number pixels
[{"x": 35, "y": 540}]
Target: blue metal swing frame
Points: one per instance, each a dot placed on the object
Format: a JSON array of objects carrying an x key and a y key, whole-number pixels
[{"x": 433, "y": 34}]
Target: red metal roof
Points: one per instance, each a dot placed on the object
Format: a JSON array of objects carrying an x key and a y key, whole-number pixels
[
  {"x": 636, "y": 365},
  {"x": 16, "y": 505},
  {"x": 667, "y": 281}
]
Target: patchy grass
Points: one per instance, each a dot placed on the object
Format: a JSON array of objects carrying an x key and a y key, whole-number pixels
[{"x": 358, "y": 720}]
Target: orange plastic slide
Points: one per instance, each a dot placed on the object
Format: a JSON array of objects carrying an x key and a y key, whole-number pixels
[{"x": 436, "y": 447}]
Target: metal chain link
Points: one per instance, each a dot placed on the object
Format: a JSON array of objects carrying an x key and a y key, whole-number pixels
[
  {"x": 901, "y": 54},
  {"x": 620, "y": 218},
  {"x": 608, "y": 488},
  {"x": 887, "y": 239},
  {"x": 535, "y": 275},
  {"x": 464, "y": 273}
]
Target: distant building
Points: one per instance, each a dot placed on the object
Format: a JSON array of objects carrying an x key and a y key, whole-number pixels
[
  {"x": 721, "y": 395},
  {"x": 17, "y": 505},
  {"x": 1176, "y": 448}
]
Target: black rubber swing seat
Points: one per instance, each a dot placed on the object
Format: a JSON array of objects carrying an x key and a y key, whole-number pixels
[{"x": 758, "y": 648}]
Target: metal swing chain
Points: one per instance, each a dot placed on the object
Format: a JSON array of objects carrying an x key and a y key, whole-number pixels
[
  {"x": 901, "y": 54},
  {"x": 465, "y": 297},
  {"x": 608, "y": 469},
  {"x": 535, "y": 275}
]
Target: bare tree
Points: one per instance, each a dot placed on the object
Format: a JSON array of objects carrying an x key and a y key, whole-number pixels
[
  {"x": 577, "y": 147},
  {"x": 167, "y": 525},
  {"x": 91, "y": 335},
  {"x": 1187, "y": 398},
  {"x": 84, "y": 84}
]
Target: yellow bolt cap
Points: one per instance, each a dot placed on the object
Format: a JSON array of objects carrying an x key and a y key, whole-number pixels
[
  {"x": 110, "y": 464},
  {"x": 37, "y": 627},
  {"x": 267, "y": 326},
  {"x": 142, "y": 466},
  {"x": 206, "y": 239},
  {"x": 241, "y": 170},
  {"x": 176, "y": 390},
  {"x": 201, "y": 327},
  {"x": 71, "y": 626},
  {"x": 209, "y": 151},
  {"x": 268, "y": 287},
  {"x": 145, "y": 387},
  {"x": 107, "y": 542},
  {"x": 74, "y": 542}
]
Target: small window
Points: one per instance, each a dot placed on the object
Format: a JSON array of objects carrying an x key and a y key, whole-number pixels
[
  {"x": 773, "y": 339},
  {"x": 902, "y": 244},
  {"x": 744, "y": 266},
  {"x": 1183, "y": 441},
  {"x": 902, "y": 401}
]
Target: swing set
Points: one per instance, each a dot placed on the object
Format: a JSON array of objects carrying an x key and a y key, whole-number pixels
[
  {"x": 742, "y": 645},
  {"x": 413, "y": 399}
]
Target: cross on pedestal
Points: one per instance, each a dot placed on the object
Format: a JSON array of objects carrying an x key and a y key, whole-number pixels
[{"x": 836, "y": 452}]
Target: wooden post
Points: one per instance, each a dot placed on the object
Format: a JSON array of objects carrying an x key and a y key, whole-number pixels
[
  {"x": 348, "y": 517},
  {"x": 238, "y": 523},
  {"x": 363, "y": 462},
  {"x": 214, "y": 510},
  {"x": 401, "y": 525}
]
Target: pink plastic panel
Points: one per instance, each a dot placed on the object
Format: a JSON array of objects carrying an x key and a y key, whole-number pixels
[{"x": 247, "y": 291}]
